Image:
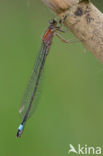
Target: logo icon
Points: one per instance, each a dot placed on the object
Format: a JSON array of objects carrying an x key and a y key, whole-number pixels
[{"x": 72, "y": 149}]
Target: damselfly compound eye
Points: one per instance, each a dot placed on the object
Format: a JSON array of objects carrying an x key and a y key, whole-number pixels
[{"x": 53, "y": 22}]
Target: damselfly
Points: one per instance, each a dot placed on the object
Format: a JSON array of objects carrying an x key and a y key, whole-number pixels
[{"x": 37, "y": 71}]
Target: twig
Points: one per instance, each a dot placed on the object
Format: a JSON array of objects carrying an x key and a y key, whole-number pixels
[{"x": 84, "y": 20}]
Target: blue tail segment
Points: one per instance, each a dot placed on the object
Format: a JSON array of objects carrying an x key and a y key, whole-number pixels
[{"x": 20, "y": 130}]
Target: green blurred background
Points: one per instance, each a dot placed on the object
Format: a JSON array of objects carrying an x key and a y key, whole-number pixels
[{"x": 70, "y": 109}]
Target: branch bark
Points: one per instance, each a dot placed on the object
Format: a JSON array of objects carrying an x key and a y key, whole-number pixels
[{"x": 84, "y": 20}]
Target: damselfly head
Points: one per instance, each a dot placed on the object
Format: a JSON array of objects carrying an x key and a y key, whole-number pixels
[{"x": 53, "y": 22}]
